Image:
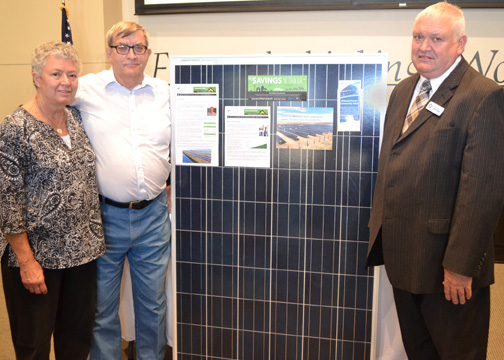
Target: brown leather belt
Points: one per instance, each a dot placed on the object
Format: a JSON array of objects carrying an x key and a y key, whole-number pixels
[{"x": 134, "y": 205}]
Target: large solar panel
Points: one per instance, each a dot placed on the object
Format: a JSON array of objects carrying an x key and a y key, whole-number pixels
[{"x": 270, "y": 261}]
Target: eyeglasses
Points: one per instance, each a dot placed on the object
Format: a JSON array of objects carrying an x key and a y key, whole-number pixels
[{"x": 125, "y": 49}]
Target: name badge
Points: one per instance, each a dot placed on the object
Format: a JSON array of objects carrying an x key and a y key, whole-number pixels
[{"x": 435, "y": 108}]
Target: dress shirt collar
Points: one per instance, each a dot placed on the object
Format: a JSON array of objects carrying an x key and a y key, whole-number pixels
[
  {"x": 110, "y": 79},
  {"x": 436, "y": 83}
]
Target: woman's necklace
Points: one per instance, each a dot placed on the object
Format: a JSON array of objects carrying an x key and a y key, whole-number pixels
[{"x": 57, "y": 128}]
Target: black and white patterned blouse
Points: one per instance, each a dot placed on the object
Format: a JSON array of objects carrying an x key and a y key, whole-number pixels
[{"x": 49, "y": 191}]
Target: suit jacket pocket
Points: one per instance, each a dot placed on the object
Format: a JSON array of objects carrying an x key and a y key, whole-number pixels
[{"x": 439, "y": 226}]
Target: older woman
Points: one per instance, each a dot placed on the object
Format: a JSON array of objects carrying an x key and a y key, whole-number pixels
[{"x": 51, "y": 230}]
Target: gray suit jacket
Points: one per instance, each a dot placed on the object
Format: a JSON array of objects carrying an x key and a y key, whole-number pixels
[{"x": 440, "y": 185}]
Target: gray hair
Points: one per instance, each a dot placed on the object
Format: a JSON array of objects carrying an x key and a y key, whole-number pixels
[
  {"x": 445, "y": 10},
  {"x": 123, "y": 29},
  {"x": 56, "y": 49}
]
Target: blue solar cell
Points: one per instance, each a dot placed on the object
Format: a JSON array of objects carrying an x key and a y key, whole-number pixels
[{"x": 270, "y": 262}]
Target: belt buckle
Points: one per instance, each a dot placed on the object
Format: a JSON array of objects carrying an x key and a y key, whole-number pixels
[{"x": 132, "y": 204}]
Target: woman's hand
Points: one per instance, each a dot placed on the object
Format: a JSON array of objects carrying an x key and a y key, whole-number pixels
[{"x": 32, "y": 276}]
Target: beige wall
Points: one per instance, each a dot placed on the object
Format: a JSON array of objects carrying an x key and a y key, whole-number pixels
[
  {"x": 30, "y": 23},
  {"x": 35, "y": 21},
  {"x": 318, "y": 31}
]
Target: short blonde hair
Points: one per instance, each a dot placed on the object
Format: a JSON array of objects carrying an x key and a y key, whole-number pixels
[
  {"x": 445, "y": 10},
  {"x": 57, "y": 49},
  {"x": 123, "y": 29}
]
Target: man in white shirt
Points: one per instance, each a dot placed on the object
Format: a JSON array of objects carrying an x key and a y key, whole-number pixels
[{"x": 126, "y": 116}]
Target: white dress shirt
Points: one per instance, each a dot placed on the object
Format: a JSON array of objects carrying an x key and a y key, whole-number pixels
[
  {"x": 435, "y": 83},
  {"x": 130, "y": 133}
]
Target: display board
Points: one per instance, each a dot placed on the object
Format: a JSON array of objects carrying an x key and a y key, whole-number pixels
[{"x": 275, "y": 159}]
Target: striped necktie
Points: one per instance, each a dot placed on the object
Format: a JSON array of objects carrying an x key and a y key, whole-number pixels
[{"x": 420, "y": 101}]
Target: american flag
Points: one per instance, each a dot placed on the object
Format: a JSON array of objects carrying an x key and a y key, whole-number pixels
[{"x": 66, "y": 32}]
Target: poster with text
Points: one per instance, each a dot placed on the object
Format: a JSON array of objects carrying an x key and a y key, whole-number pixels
[
  {"x": 349, "y": 105},
  {"x": 197, "y": 125},
  {"x": 277, "y": 87},
  {"x": 247, "y": 141}
]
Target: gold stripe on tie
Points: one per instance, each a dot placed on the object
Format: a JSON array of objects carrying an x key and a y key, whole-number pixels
[{"x": 420, "y": 101}]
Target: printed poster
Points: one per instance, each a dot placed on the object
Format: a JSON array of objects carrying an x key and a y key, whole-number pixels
[
  {"x": 350, "y": 102},
  {"x": 247, "y": 141},
  {"x": 277, "y": 88},
  {"x": 197, "y": 126},
  {"x": 305, "y": 128}
]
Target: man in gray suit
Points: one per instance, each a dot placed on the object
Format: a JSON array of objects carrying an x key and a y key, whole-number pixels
[{"x": 439, "y": 193}]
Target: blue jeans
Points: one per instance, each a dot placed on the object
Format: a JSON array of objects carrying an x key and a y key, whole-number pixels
[{"x": 144, "y": 237}]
